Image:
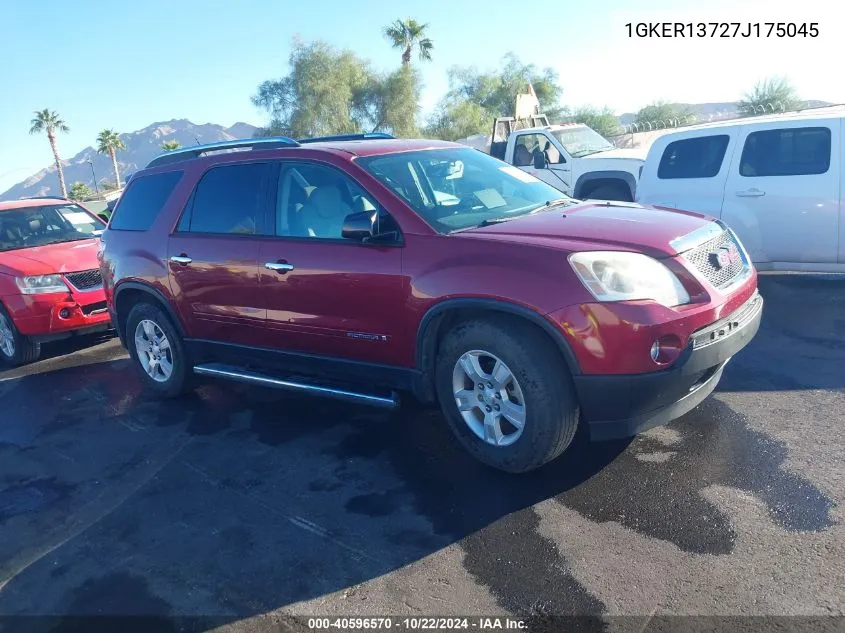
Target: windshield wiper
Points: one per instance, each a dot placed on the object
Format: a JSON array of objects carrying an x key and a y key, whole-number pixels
[{"x": 492, "y": 221}]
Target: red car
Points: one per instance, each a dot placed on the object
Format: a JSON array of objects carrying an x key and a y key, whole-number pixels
[
  {"x": 50, "y": 283},
  {"x": 361, "y": 269}
]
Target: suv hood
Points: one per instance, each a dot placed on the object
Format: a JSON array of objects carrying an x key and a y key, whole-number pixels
[
  {"x": 634, "y": 154},
  {"x": 597, "y": 226},
  {"x": 53, "y": 258}
]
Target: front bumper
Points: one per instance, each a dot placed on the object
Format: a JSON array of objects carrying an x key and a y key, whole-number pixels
[
  {"x": 55, "y": 316},
  {"x": 617, "y": 406}
]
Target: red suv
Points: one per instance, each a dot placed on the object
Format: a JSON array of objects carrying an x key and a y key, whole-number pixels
[
  {"x": 50, "y": 284},
  {"x": 362, "y": 268}
]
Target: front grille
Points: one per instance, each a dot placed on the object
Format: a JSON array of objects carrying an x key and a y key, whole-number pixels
[
  {"x": 86, "y": 279},
  {"x": 703, "y": 257}
]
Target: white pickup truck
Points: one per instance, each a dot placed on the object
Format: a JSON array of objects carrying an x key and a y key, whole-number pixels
[{"x": 573, "y": 158}]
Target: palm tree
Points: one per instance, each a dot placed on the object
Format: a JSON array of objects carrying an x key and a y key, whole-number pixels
[
  {"x": 408, "y": 34},
  {"x": 50, "y": 122},
  {"x": 169, "y": 146},
  {"x": 108, "y": 142}
]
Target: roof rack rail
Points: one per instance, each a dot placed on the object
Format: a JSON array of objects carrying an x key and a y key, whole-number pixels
[
  {"x": 272, "y": 142},
  {"x": 56, "y": 197},
  {"x": 347, "y": 137}
]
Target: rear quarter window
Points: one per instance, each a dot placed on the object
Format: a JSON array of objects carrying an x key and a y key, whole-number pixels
[
  {"x": 786, "y": 152},
  {"x": 699, "y": 157},
  {"x": 143, "y": 200}
]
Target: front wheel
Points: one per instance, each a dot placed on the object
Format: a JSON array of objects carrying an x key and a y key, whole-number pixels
[
  {"x": 15, "y": 348},
  {"x": 157, "y": 351},
  {"x": 506, "y": 393}
]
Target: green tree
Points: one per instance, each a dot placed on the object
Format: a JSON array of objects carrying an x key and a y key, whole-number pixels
[
  {"x": 407, "y": 35},
  {"x": 50, "y": 122},
  {"x": 458, "y": 119},
  {"x": 476, "y": 97},
  {"x": 79, "y": 191},
  {"x": 169, "y": 146},
  {"x": 107, "y": 185},
  {"x": 663, "y": 113},
  {"x": 773, "y": 94},
  {"x": 331, "y": 91},
  {"x": 601, "y": 120},
  {"x": 108, "y": 142}
]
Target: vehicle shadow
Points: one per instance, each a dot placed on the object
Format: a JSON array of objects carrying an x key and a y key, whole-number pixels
[{"x": 269, "y": 499}]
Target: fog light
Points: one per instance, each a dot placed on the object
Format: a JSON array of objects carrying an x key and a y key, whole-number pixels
[
  {"x": 665, "y": 349},
  {"x": 64, "y": 313},
  {"x": 655, "y": 350}
]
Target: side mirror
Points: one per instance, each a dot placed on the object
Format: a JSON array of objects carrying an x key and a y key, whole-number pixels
[
  {"x": 540, "y": 160},
  {"x": 360, "y": 226}
]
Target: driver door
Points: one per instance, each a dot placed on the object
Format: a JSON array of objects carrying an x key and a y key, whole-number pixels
[
  {"x": 532, "y": 150},
  {"x": 326, "y": 295}
]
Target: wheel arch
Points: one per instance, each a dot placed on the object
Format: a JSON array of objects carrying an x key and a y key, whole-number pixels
[
  {"x": 129, "y": 293},
  {"x": 594, "y": 179},
  {"x": 437, "y": 320}
]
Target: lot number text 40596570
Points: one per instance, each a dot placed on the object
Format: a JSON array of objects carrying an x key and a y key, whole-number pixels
[{"x": 722, "y": 29}]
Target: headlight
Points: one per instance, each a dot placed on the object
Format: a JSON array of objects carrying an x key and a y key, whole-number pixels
[
  {"x": 622, "y": 276},
  {"x": 41, "y": 284}
]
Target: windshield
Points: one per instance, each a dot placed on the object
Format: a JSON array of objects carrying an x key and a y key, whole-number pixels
[
  {"x": 581, "y": 141},
  {"x": 460, "y": 188},
  {"x": 49, "y": 224}
]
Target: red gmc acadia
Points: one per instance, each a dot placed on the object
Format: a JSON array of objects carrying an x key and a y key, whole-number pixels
[
  {"x": 359, "y": 267},
  {"x": 50, "y": 284}
]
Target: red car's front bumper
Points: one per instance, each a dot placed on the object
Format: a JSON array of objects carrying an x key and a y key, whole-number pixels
[{"x": 57, "y": 315}]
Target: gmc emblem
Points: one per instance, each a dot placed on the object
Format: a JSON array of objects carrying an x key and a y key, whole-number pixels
[{"x": 725, "y": 256}]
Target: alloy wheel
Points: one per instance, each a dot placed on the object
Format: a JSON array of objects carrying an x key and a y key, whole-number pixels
[
  {"x": 153, "y": 350},
  {"x": 7, "y": 337},
  {"x": 489, "y": 398}
]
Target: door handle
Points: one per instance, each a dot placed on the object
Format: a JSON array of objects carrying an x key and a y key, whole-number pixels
[
  {"x": 750, "y": 193},
  {"x": 181, "y": 259},
  {"x": 279, "y": 267}
]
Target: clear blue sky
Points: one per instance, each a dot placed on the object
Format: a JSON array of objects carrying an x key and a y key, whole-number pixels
[{"x": 124, "y": 65}]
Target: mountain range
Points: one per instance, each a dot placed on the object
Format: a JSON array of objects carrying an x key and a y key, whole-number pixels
[{"x": 141, "y": 147}]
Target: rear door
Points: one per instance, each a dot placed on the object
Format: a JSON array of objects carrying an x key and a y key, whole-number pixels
[
  {"x": 782, "y": 193},
  {"x": 213, "y": 254},
  {"x": 688, "y": 173}
]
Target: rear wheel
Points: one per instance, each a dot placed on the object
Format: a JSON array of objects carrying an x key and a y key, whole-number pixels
[
  {"x": 157, "y": 350},
  {"x": 506, "y": 393},
  {"x": 15, "y": 348}
]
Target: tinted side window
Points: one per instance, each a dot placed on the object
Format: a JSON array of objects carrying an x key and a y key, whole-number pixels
[
  {"x": 228, "y": 199},
  {"x": 786, "y": 152},
  {"x": 143, "y": 200},
  {"x": 313, "y": 200},
  {"x": 699, "y": 157}
]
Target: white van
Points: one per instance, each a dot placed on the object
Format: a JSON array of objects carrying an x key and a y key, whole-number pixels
[{"x": 776, "y": 180}]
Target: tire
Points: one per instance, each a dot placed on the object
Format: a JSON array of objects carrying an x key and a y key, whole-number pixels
[
  {"x": 543, "y": 384},
  {"x": 150, "y": 322},
  {"x": 611, "y": 192},
  {"x": 23, "y": 348}
]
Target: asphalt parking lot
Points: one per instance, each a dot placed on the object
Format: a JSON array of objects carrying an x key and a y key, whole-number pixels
[{"x": 249, "y": 504}]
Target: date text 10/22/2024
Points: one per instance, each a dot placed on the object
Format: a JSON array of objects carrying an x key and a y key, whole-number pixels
[{"x": 417, "y": 624}]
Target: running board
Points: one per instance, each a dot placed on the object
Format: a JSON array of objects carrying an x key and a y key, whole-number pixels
[{"x": 230, "y": 372}]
